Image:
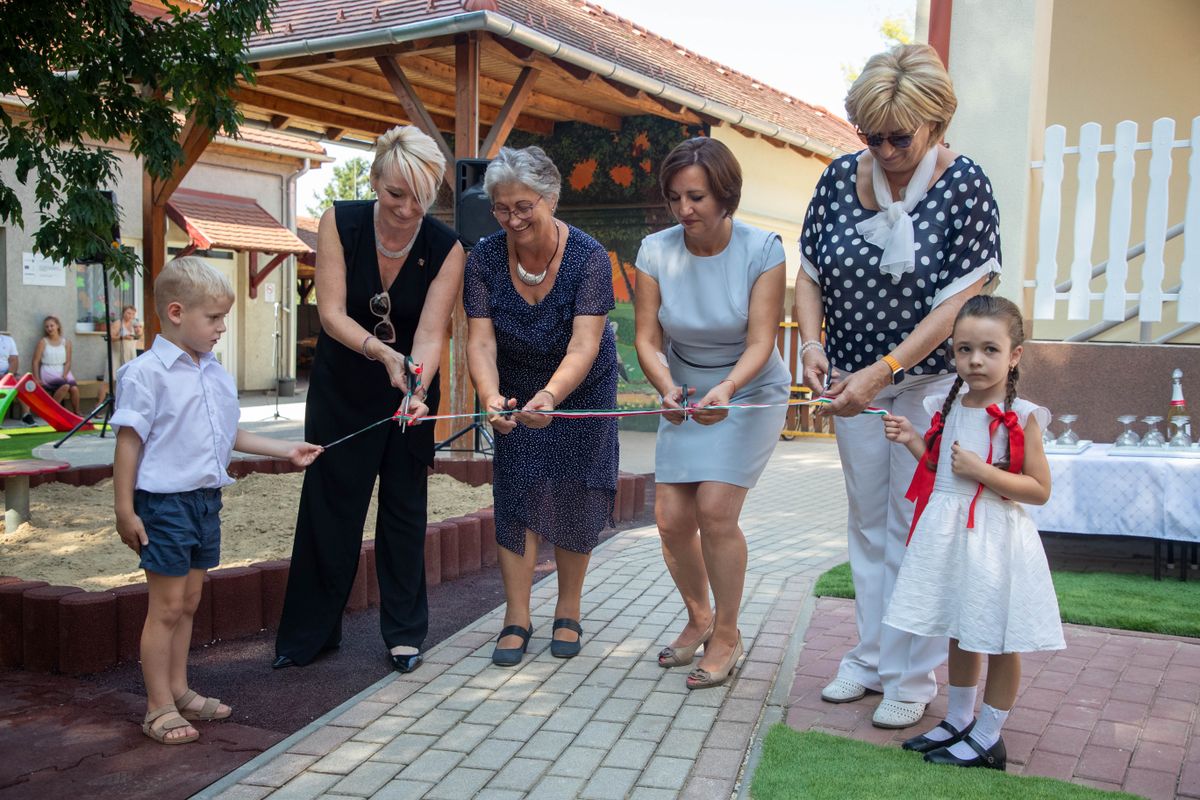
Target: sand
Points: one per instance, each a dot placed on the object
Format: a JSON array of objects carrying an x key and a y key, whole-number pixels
[{"x": 72, "y": 538}]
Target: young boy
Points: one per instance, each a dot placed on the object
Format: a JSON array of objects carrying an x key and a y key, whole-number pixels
[{"x": 177, "y": 421}]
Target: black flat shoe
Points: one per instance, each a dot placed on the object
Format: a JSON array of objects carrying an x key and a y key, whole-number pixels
[
  {"x": 923, "y": 744},
  {"x": 995, "y": 757},
  {"x": 511, "y": 656},
  {"x": 407, "y": 662},
  {"x": 282, "y": 662},
  {"x": 561, "y": 649}
]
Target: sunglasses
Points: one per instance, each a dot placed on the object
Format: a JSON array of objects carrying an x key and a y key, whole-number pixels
[
  {"x": 901, "y": 141},
  {"x": 381, "y": 306}
]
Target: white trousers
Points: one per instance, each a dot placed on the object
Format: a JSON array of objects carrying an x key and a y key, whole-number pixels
[{"x": 878, "y": 473}]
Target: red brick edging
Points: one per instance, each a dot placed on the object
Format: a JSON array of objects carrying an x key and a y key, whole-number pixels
[{"x": 64, "y": 629}]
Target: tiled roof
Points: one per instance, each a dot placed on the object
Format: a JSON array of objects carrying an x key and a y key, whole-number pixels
[
  {"x": 231, "y": 223},
  {"x": 276, "y": 139},
  {"x": 588, "y": 27}
]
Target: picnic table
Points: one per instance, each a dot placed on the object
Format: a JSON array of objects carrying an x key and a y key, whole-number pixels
[{"x": 16, "y": 476}]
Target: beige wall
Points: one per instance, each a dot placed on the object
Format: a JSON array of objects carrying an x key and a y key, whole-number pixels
[{"x": 1112, "y": 60}]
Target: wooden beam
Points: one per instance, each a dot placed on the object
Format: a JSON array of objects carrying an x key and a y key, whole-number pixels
[
  {"x": 334, "y": 134},
  {"x": 517, "y": 98},
  {"x": 257, "y": 276},
  {"x": 154, "y": 254},
  {"x": 416, "y": 110},
  {"x": 280, "y": 121},
  {"x": 344, "y": 57},
  {"x": 317, "y": 116},
  {"x": 318, "y": 94}
]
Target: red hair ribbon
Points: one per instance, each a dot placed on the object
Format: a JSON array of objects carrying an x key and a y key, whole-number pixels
[{"x": 921, "y": 488}]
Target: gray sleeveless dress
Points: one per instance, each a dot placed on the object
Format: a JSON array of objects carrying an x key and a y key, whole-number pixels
[{"x": 704, "y": 313}]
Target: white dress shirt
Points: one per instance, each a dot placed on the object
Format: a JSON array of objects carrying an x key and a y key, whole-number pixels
[{"x": 186, "y": 415}]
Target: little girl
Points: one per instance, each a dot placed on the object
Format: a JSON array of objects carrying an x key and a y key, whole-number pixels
[{"x": 975, "y": 570}]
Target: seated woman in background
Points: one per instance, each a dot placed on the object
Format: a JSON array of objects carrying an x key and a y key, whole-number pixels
[{"x": 52, "y": 364}]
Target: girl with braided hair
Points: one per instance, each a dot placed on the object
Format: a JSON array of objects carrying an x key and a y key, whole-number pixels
[{"x": 975, "y": 570}]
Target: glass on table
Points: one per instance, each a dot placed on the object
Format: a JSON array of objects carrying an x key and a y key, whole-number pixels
[
  {"x": 1068, "y": 438},
  {"x": 1181, "y": 437},
  {"x": 1047, "y": 436},
  {"x": 1153, "y": 437},
  {"x": 1128, "y": 437}
]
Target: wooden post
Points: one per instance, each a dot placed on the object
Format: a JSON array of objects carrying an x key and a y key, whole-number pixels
[{"x": 466, "y": 145}]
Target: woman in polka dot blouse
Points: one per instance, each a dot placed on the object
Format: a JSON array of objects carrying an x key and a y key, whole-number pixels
[{"x": 897, "y": 237}]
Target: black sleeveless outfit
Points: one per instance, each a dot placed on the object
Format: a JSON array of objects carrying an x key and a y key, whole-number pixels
[{"x": 347, "y": 392}]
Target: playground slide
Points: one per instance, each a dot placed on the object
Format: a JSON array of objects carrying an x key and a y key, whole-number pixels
[
  {"x": 8, "y": 392},
  {"x": 43, "y": 405}
]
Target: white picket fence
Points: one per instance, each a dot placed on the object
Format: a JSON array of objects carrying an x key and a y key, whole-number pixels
[{"x": 1077, "y": 290}]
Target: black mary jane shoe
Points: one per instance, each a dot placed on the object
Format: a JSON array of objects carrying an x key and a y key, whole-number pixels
[
  {"x": 561, "y": 649},
  {"x": 923, "y": 744},
  {"x": 995, "y": 757},
  {"x": 406, "y": 662},
  {"x": 511, "y": 656}
]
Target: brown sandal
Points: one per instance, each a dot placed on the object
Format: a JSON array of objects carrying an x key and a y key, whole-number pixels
[
  {"x": 703, "y": 679},
  {"x": 168, "y": 719},
  {"x": 684, "y": 654},
  {"x": 209, "y": 712}
]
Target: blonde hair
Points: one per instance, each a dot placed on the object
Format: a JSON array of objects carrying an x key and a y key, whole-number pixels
[
  {"x": 902, "y": 89},
  {"x": 415, "y": 157},
  {"x": 189, "y": 281}
]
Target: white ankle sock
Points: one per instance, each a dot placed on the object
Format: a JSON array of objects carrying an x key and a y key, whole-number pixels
[
  {"x": 985, "y": 733},
  {"x": 960, "y": 710}
]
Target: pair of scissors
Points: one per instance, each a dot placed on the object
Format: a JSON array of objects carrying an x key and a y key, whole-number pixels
[
  {"x": 683, "y": 401},
  {"x": 413, "y": 371}
]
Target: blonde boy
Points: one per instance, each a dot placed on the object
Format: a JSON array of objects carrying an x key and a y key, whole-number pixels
[{"x": 176, "y": 420}]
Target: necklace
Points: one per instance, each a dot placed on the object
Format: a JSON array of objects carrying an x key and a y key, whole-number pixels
[
  {"x": 403, "y": 251},
  {"x": 534, "y": 278}
]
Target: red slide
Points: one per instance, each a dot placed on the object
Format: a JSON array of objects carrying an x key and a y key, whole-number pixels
[{"x": 42, "y": 404}]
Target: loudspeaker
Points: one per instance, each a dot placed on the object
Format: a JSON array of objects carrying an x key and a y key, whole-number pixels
[
  {"x": 97, "y": 258},
  {"x": 472, "y": 207}
]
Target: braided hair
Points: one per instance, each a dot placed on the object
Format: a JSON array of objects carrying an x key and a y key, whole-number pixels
[{"x": 985, "y": 306}]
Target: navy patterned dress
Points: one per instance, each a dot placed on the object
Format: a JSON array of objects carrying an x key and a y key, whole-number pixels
[{"x": 558, "y": 481}]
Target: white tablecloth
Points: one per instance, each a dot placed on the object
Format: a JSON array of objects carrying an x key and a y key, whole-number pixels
[{"x": 1096, "y": 493}]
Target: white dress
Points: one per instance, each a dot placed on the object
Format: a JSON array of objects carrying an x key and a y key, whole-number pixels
[{"x": 988, "y": 587}]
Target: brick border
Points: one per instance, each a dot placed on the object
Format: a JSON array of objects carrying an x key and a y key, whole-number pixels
[{"x": 65, "y": 629}]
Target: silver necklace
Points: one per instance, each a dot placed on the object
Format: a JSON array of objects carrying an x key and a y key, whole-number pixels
[
  {"x": 403, "y": 251},
  {"x": 534, "y": 278}
]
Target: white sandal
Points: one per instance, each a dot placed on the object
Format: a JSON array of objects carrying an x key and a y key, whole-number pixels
[
  {"x": 843, "y": 690},
  {"x": 897, "y": 714}
]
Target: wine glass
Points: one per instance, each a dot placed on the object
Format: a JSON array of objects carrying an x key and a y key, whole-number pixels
[
  {"x": 1068, "y": 438},
  {"x": 1128, "y": 437},
  {"x": 1153, "y": 437},
  {"x": 1181, "y": 437},
  {"x": 1047, "y": 436}
]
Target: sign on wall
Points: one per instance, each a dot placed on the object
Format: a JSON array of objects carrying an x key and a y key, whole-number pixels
[{"x": 39, "y": 270}]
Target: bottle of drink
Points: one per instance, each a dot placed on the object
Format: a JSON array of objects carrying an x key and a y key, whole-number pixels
[{"x": 1178, "y": 407}]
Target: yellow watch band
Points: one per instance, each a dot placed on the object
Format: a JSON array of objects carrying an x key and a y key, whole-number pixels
[{"x": 892, "y": 363}]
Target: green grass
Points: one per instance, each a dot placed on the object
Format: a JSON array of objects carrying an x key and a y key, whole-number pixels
[
  {"x": 817, "y": 766},
  {"x": 1128, "y": 602}
]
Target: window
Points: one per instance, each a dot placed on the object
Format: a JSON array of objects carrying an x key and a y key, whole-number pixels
[{"x": 89, "y": 294}]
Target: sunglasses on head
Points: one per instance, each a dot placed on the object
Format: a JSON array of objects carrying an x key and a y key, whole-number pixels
[{"x": 900, "y": 141}]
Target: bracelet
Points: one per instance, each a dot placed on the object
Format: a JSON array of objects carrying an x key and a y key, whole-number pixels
[
  {"x": 420, "y": 392},
  {"x": 811, "y": 343},
  {"x": 364, "y": 347},
  {"x": 729, "y": 380},
  {"x": 553, "y": 399}
]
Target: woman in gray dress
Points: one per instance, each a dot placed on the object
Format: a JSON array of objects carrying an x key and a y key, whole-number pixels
[{"x": 709, "y": 297}]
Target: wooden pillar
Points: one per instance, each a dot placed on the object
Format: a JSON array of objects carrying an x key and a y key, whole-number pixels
[
  {"x": 154, "y": 255},
  {"x": 466, "y": 145},
  {"x": 940, "y": 12}
]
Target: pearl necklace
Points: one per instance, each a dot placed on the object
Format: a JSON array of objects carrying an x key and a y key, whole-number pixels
[
  {"x": 534, "y": 278},
  {"x": 403, "y": 251}
]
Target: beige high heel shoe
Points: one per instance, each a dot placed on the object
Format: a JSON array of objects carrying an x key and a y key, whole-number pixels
[
  {"x": 685, "y": 654},
  {"x": 703, "y": 679}
]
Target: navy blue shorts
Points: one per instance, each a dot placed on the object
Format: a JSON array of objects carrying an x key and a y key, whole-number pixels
[{"x": 184, "y": 529}]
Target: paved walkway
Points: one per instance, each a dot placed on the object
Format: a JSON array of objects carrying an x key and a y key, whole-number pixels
[{"x": 607, "y": 724}]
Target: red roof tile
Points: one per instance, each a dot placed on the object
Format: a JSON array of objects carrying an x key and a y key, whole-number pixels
[
  {"x": 277, "y": 139},
  {"x": 232, "y": 223},
  {"x": 588, "y": 27}
]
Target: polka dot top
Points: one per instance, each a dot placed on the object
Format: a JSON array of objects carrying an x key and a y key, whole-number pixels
[{"x": 868, "y": 313}]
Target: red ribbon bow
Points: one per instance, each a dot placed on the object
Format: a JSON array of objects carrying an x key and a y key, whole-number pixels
[{"x": 921, "y": 488}]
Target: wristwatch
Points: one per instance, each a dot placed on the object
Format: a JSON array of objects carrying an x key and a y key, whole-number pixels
[{"x": 895, "y": 367}]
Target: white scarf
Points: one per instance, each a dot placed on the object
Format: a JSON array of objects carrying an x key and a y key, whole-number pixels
[{"x": 892, "y": 227}]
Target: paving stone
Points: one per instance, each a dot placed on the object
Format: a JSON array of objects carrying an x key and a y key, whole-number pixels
[
  {"x": 465, "y": 698},
  {"x": 402, "y": 790},
  {"x": 362, "y": 714},
  {"x": 492, "y": 712},
  {"x": 460, "y": 783},
  {"x": 617, "y": 710},
  {"x": 648, "y": 727},
  {"x": 542, "y": 703},
  {"x": 682, "y": 744},
  {"x": 557, "y": 787},
  {"x": 609, "y": 783},
  {"x": 367, "y": 779},
  {"x": 699, "y": 788},
  {"x": 322, "y": 741},
  {"x": 383, "y": 730},
  {"x": 464, "y": 737},
  {"x": 436, "y": 722},
  {"x": 664, "y": 772},
  {"x": 279, "y": 770},
  {"x": 519, "y": 727},
  {"x": 628, "y": 754},
  {"x": 599, "y": 734},
  {"x": 345, "y": 758},
  {"x": 432, "y": 765},
  {"x": 698, "y": 718},
  {"x": 492, "y": 754},
  {"x": 644, "y": 793},
  {"x": 578, "y": 761},
  {"x": 546, "y": 745},
  {"x": 567, "y": 720},
  {"x": 242, "y": 792},
  {"x": 417, "y": 705},
  {"x": 519, "y": 774},
  {"x": 587, "y": 697},
  {"x": 305, "y": 786},
  {"x": 405, "y": 748}
]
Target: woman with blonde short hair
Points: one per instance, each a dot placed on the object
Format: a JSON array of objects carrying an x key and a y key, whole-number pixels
[
  {"x": 388, "y": 275},
  {"x": 897, "y": 237}
]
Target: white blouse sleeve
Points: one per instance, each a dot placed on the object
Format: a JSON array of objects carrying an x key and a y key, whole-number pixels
[{"x": 1025, "y": 409}]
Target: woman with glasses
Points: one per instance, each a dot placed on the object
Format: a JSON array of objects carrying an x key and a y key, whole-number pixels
[
  {"x": 897, "y": 237},
  {"x": 537, "y": 294},
  {"x": 387, "y": 279}
]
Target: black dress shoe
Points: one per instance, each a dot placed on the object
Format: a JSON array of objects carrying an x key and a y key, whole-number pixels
[
  {"x": 511, "y": 656},
  {"x": 282, "y": 662},
  {"x": 995, "y": 757},
  {"x": 564, "y": 649},
  {"x": 923, "y": 744},
  {"x": 406, "y": 662}
]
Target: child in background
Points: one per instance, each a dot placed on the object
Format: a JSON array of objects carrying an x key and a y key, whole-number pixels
[
  {"x": 176, "y": 421},
  {"x": 975, "y": 570}
]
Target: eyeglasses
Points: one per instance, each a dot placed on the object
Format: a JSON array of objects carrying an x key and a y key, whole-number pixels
[
  {"x": 381, "y": 306},
  {"x": 901, "y": 141},
  {"x": 520, "y": 211}
]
